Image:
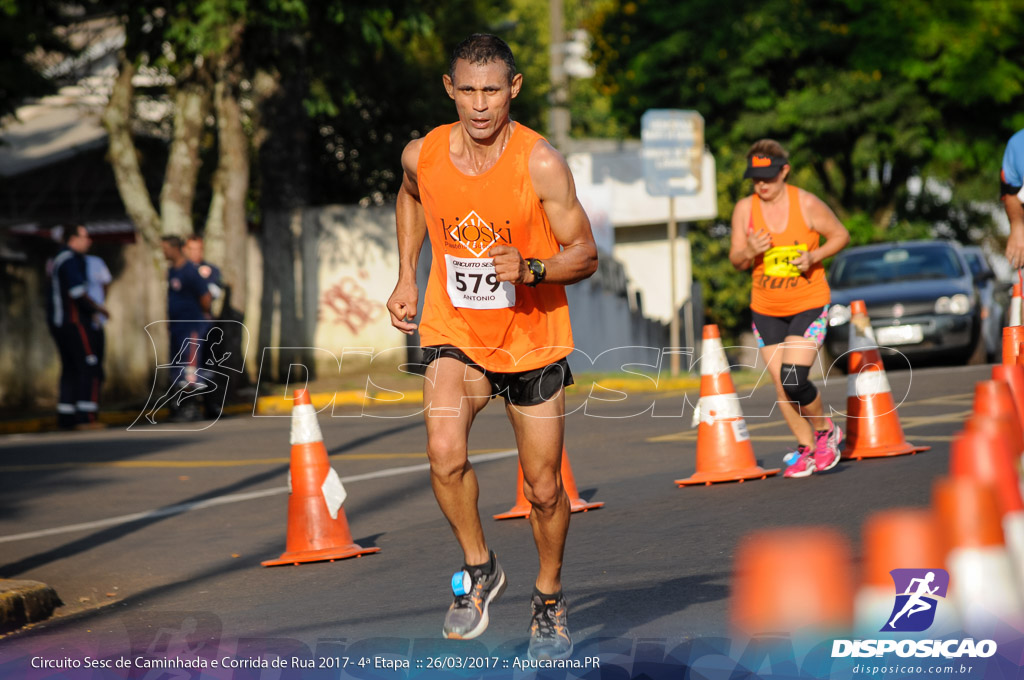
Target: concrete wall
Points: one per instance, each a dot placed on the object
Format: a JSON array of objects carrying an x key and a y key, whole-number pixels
[
  {"x": 28, "y": 358},
  {"x": 346, "y": 265}
]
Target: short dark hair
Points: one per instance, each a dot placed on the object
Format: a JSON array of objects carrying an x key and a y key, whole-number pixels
[
  {"x": 193, "y": 237},
  {"x": 767, "y": 147},
  {"x": 483, "y": 48},
  {"x": 69, "y": 231},
  {"x": 173, "y": 241}
]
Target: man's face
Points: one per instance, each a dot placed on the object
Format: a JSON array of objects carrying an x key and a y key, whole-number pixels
[
  {"x": 170, "y": 252},
  {"x": 482, "y": 95},
  {"x": 193, "y": 251},
  {"x": 81, "y": 241}
]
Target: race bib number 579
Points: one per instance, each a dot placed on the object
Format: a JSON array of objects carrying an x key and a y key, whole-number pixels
[{"x": 473, "y": 283}]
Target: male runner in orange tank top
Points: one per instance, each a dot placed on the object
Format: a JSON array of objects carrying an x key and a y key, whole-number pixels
[
  {"x": 778, "y": 231},
  {"x": 507, "y": 234}
]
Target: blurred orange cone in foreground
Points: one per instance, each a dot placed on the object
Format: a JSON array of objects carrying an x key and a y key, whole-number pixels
[
  {"x": 903, "y": 538},
  {"x": 982, "y": 582},
  {"x": 724, "y": 453},
  {"x": 522, "y": 506},
  {"x": 873, "y": 427},
  {"x": 983, "y": 453},
  {"x": 1012, "y": 337},
  {"x": 993, "y": 399},
  {"x": 793, "y": 580},
  {"x": 1014, "y": 317},
  {"x": 1013, "y": 376},
  {"x": 317, "y": 527}
]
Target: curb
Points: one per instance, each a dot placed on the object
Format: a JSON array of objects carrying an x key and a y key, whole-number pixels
[
  {"x": 25, "y": 602},
  {"x": 280, "y": 406},
  {"x": 271, "y": 406},
  {"x": 49, "y": 423}
]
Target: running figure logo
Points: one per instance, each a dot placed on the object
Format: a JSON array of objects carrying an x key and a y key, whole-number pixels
[{"x": 916, "y": 592}]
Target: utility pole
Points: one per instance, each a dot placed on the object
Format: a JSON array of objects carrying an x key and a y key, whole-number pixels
[{"x": 558, "y": 116}]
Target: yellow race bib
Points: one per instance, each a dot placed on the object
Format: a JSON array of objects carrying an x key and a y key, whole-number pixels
[{"x": 776, "y": 261}]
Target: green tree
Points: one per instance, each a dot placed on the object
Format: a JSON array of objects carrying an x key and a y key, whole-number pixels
[
  {"x": 30, "y": 36},
  {"x": 866, "y": 95}
]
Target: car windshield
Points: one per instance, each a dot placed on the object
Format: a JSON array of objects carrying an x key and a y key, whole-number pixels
[{"x": 895, "y": 264}]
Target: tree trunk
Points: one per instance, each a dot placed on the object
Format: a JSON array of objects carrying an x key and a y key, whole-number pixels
[
  {"x": 191, "y": 104},
  {"x": 227, "y": 230},
  {"x": 124, "y": 159},
  {"x": 284, "y": 181}
]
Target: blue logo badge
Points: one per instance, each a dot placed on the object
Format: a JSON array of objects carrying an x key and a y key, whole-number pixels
[{"x": 917, "y": 591}]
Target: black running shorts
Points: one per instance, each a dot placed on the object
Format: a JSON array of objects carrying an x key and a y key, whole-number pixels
[{"x": 527, "y": 388}]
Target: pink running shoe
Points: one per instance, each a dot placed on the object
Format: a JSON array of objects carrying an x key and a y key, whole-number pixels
[
  {"x": 802, "y": 464},
  {"x": 826, "y": 449}
]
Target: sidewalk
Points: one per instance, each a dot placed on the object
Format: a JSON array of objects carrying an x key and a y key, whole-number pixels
[{"x": 322, "y": 395}]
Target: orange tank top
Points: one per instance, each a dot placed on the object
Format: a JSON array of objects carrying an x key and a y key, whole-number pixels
[
  {"x": 501, "y": 326},
  {"x": 779, "y": 288}
]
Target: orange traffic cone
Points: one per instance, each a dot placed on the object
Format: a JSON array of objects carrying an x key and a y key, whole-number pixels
[
  {"x": 792, "y": 580},
  {"x": 983, "y": 453},
  {"x": 902, "y": 538},
  {"x": 1014, "y": 317},
  {"x": 317, "y": 527},
  {"x": 1012, "y": 375},
  {"x": 1012, "y": 337},
  {"x": 724, "y": 453},
  {"x": 873, "y": 428},
  {"x": 522, "y": 506},
  {"x": 981, "y": 574},
  {"x": 993, "y": 399}
]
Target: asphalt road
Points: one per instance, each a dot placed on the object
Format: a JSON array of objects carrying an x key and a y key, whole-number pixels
[{"x": 154, "y": 539}]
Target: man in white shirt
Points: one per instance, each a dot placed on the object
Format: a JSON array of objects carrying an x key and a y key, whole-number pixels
[{"x": 98, "y": 280}]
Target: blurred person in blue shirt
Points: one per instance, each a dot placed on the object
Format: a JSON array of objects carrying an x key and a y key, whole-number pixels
[
  {"x": 1011, "y": 192},
  {"x": 194, "y": 252},
  {"x": 188, "y": 310}
]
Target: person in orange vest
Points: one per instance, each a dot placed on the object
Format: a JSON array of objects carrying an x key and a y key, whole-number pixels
[
  {"x": 507, "y": 234},
  {"x": 777, "y": 233}
]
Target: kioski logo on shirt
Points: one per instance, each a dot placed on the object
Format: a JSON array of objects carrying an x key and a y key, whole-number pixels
[
  {"x": 475, "y": 233},
  {"x": 918, "y": 592}
]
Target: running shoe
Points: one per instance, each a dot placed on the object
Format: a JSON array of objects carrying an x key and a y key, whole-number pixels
[
  {"x": 474, "y": 592},
  {"x": 826, "y": 447},
  {"x": 549, "y": 629},
  {"x": 800, "y": 462}
]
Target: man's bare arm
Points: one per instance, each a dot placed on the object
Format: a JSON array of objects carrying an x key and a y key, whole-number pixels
[
  {"x": 1015, "y": 243},
  {"x": 412, "y": 230},
  {"x": 553, "y": 182}
]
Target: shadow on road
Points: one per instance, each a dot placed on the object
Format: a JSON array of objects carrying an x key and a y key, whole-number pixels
[
  {"x": 114, "y": 533},
  {"x": 617, "y": 611}
]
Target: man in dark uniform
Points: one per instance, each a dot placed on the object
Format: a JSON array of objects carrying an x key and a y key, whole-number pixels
[
  {"x": 69, "y": 314},
  {"x": 188, "y": 309},
  {"x": 194, "y": 252}
]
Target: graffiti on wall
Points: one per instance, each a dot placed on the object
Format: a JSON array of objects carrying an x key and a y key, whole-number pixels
[{"x": 347, "y": 303}]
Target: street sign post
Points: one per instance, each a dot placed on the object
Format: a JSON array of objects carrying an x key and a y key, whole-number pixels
[{"x": 673, "y": 150}]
